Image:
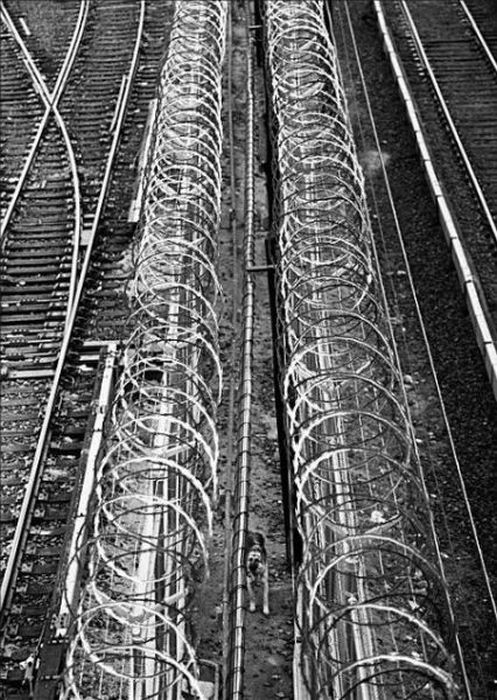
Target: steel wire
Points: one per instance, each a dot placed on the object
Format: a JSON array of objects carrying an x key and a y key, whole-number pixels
[
  {"x": 156, "y": 481},
  {"x": 371, "y": 602}
]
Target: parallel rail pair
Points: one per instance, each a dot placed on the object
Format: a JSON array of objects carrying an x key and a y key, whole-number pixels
[
  {"x": 461, "y": 70},
  {"x": 57, "y": 448}
]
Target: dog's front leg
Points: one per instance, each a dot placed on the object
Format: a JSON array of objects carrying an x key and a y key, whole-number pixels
[
  {"x": 265, "y": 583},
  {"x": 251, "y": 594}
]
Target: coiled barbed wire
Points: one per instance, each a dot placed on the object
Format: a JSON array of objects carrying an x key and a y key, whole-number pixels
[
  {"x": 371, "y": 603},
  {"x": 132, "y": 636}
]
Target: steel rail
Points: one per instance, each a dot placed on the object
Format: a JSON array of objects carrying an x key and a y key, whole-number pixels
[
  {"x": 462, "y": 265},
  {"x": 481, "y": 38},
  {"x": 136, "y": 205},
  {"x": 80, "y": 527},
  {"x": 236, "y": 640},
  {"x": 452, "y": 126},
  {"x": 459, "y": 652},
  {"x": 50, "y": 100},
  {"x": 32, "y": 486},
  {"x": 468, "y": 280},
  {"x": 448, "y": 225}
]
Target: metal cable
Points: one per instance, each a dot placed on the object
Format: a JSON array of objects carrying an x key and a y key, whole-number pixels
[
  {"x": 236, "y": 639},
  {"x": 371, "y": 602},
  {"x": 155, "y": 483}
]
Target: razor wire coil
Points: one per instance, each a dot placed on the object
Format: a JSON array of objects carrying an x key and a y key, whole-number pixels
[
  {"x": 371, "y": 604},
  {"x": 155, "y": 484}
]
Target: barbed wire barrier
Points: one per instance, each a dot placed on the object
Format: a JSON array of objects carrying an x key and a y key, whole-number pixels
[
  {"x": 157, "y": 478},
  {"x": 371, "y": 601}
]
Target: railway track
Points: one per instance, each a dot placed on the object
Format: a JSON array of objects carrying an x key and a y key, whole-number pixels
[
  {"x": 20, "y": 111},
  {"x": 33, "y": 603},
  {"x": 394, "y": 203},
  {"x": 41, "y": 227},
  {"x": 35, "y": 25},
  {"x": 22, "y": 120},
  {"x": 92, "y": 100},
  {"x": 43, "y": 422},
  {"x": 455, "y": 85},
  {"x": 348, "y": 538},
  {"x": 468, "y": 105}
]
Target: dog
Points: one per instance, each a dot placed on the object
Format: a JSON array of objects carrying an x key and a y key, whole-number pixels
[{"x": 256, "y": 569}]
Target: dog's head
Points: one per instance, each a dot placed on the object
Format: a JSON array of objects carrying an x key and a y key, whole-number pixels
[{"x": 254, "y": 559}]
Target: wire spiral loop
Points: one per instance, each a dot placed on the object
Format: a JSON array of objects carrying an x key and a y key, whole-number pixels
[
  {"x": 371, "y": 604},
  {"x": 158, "y": 476}
]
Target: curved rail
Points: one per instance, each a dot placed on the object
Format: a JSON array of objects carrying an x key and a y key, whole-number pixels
[
  {"x": 154, "y": 485},
  {"x": 450, "y": 121},
  {"x": 50, "y": 100},
  {"x": 29, "y": 499},
  {"x": 370, "y": 600}
]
